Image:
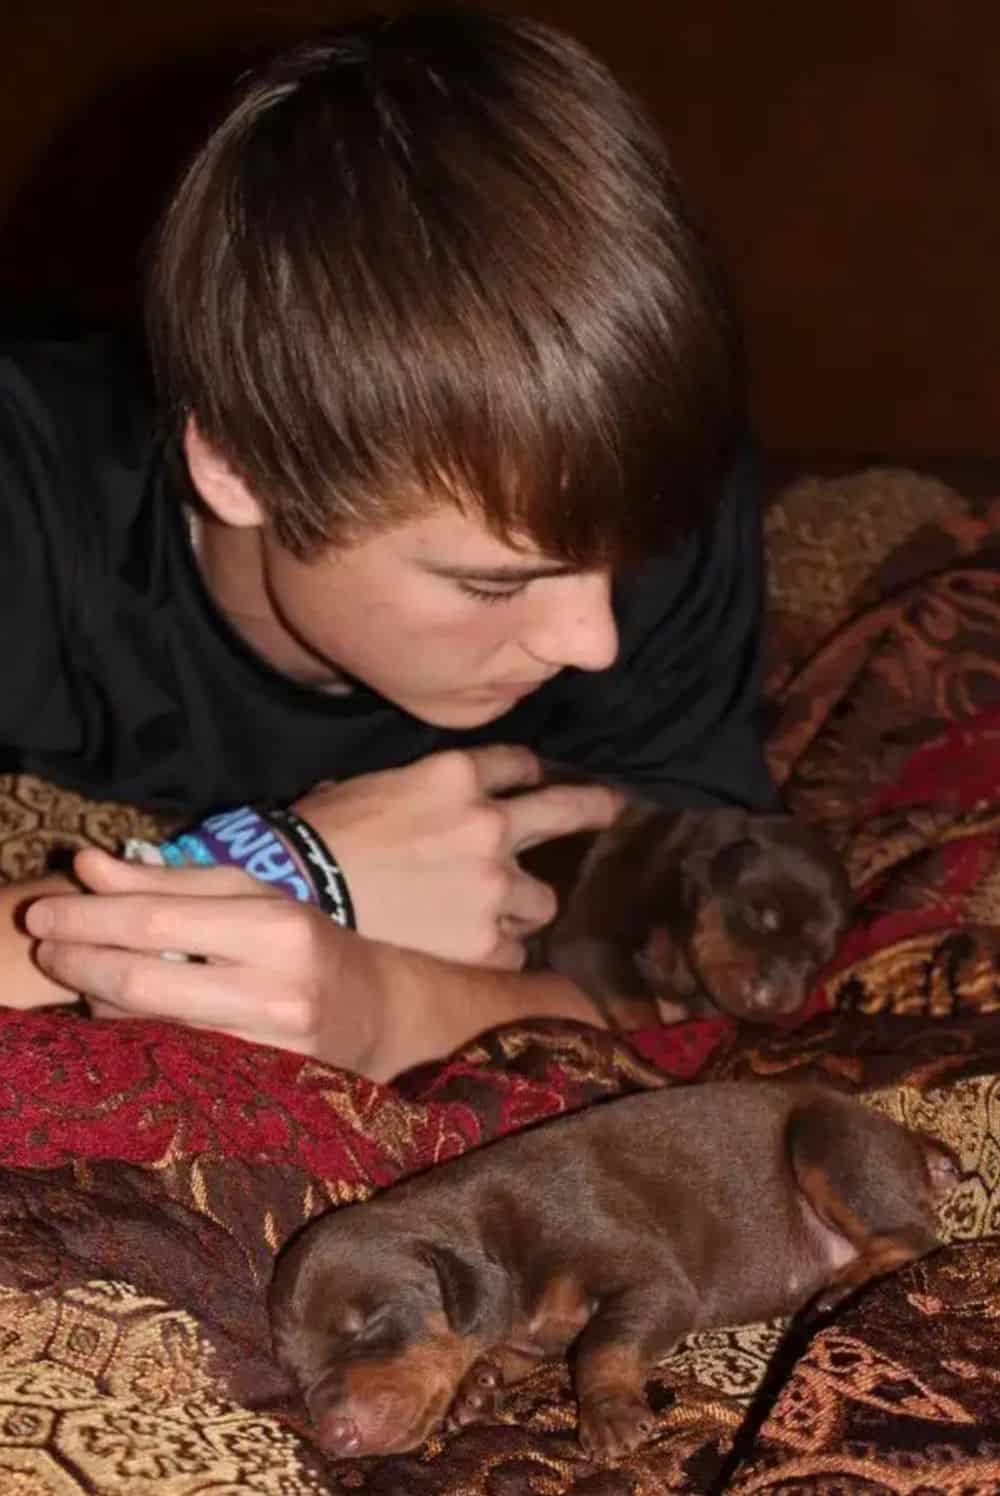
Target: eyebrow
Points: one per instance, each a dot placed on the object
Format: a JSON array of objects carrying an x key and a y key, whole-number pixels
[{"x": 510, "y": 572}]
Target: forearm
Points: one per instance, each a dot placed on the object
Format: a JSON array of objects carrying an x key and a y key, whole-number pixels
[
  {"x": 274, "y": 971},
  {"x": 22, "y": 983}
]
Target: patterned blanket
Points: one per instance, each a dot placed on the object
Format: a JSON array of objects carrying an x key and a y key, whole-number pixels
[{"x": 148, "y": 1174}]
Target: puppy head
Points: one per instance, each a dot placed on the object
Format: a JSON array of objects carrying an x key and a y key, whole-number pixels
[
  {"x": 377, "y": 1329},
  {"x": 765, "y": 912}
]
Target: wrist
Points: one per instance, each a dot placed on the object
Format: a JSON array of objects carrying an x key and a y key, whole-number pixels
[
  {"x": 274, "y": 846},
  {"x": 234, "y": 838},
  {"x": 318, "y": 862}
]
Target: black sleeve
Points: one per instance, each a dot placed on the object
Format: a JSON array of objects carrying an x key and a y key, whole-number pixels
[
  {"x": 36, "y": 711},
  {"x": 678, "y": 716}
]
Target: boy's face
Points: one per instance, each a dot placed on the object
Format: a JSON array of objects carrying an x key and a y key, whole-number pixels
[{"x": 441, "y": 617}]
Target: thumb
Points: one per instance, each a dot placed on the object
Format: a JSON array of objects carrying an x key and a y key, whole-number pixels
[{"x": 102, "y": 873}]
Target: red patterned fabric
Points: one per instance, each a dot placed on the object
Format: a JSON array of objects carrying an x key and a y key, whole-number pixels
[
  {"x": 152, "y": 1093},
  {"x": 145, "y": 1093},
  {"x": 148, "y": 1174}
]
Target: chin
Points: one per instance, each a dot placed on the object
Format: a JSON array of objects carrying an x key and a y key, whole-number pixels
[{"x": 458, "y": 714}]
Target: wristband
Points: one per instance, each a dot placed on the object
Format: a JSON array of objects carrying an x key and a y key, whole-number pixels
[
  {"x": 324, "y": 870},
  {"x": 236, "y": 838}
]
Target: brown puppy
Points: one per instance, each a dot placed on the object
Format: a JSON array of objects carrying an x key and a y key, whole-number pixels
[
  {"x": 617, "y": 1230},
  {"x": 669, "y": 914}
]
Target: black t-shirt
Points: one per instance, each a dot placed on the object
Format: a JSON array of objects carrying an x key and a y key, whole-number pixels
[{"x": 121, "y": 680}]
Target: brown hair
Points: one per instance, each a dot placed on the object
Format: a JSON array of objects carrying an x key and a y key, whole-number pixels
[{"x": 445, "y": 255}]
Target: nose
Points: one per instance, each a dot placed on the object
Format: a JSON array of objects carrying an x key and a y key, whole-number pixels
[
  {"x": 766, "y": 995},
  {"x": 574, "y": 623},
  {"x": 339, "y": 1435}
]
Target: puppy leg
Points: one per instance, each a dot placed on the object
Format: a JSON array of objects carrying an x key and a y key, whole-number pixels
[
  {"x": 870, "y": 1185},
  {"x": 625, "y": 1339},
  {"x": 878, "y": 1255}
]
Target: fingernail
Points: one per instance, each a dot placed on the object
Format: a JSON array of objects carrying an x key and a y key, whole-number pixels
[{"x": 39, "y": 919}]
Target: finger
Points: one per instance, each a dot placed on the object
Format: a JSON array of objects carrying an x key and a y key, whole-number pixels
[
  {"x": 508, "y": 954},
  {"x": 220, "y": 929},
  {"x": 125, "y": 985},
  {"x": 530, "y": 903},
  {"x": 560, "y": 810},
  {"x": 505, "y": 766},
  {"x": 103, "y": 873}
]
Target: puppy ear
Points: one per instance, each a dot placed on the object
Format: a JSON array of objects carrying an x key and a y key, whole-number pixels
[
  {"x": 731, "y": 861},
  {"x": 461, "y": 1284}
]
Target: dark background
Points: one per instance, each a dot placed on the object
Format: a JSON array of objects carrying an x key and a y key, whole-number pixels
[{"x": 845, "y": 156}]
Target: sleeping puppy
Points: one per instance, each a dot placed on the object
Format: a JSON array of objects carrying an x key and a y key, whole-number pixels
[
  {"x": 670, "y": 914},
  {"x": 617, "y": 1231}
]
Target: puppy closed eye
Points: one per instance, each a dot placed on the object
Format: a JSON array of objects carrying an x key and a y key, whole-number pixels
[{"x": 355, "y": 1324}]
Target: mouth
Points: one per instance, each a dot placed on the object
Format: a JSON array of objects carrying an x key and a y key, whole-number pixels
[
  {"x": 523, "y": 687},
  {"x": 505, "y": 690}
]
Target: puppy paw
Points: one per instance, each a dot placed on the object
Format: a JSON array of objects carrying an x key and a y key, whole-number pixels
[
  {"x": 478, "y": 1394},
  {"x": 613, "y": 1425}
]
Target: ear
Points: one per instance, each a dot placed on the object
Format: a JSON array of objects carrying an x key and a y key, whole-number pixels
[
  {"x": 731, "y": 861},
  {"x": 219, "y": 485},
  {"x": 461, "y": 1284}
]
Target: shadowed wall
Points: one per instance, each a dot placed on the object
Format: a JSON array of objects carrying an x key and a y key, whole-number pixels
[{"x": 845, "y": 157}]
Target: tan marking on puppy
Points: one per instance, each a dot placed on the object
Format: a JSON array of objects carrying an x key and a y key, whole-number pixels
[
  {"x": 727, "y": 969},
  {"x": 391, "y": 1405},
  {"x": 608, "y": 1371},
  {"x": 558, "y": 1316},
  {"x": 615, "y": 1417}
]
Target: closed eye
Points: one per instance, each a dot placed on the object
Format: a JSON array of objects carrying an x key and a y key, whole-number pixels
[{"x": 495, "y": 592}]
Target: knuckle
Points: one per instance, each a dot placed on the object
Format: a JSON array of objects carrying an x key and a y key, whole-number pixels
[
  {"x": 298, "y": 1017},
  {"x": 486, "y": 828},
  {"x": 454, "y": 771},
  {"x": 484, "y": 942},
  {"x": 286, "y": 927},
  {"x": 548, "y": 903},
  {"x": 153, "y": 926},
  {"x": 580, "y": 807},
  {"x": 130, "y": 985},
  {"x": 55, "y": 959},
  {"x": 305, "y": 935},
  {"x": 615, "y": 802},
  {"x": 495, "y": 886}
]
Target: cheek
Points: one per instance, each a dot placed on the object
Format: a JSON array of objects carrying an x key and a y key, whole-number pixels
[{"x": 460, "y": 627}]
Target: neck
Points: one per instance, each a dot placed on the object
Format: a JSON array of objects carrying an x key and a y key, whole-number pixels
[{"x": 230, "y": 560}]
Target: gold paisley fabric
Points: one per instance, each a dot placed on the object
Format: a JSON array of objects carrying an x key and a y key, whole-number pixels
[{"x": 148, "y": 1175}]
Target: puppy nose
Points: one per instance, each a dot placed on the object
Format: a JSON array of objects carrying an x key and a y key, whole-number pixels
[
  {"x": 339, "y": 1435},
  {"x": 758, "y": 993}
]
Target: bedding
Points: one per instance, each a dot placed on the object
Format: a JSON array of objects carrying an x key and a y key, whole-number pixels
[{"x": 148, "y": 1174}]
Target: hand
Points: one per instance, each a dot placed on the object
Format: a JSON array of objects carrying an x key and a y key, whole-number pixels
[
  {"x": 265, "y": 967},
  {"x": 430, "y": 853},
  {"x": 272, "y": 970}
]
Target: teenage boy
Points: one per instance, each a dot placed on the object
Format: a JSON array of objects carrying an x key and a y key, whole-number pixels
[{"x": 446, "y": 473}]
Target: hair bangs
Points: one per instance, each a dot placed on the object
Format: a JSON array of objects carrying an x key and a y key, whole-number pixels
[{"x": 444, "y": 258}]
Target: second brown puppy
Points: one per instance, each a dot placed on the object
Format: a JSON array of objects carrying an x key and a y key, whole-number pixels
[{"x": 669, "y": 914}]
